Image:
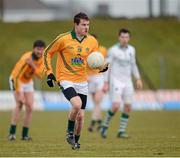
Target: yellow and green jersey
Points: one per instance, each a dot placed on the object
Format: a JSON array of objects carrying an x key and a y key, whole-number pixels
[
  {"x": 23, "y": 72},
  {"x": 71, "y": 62}
]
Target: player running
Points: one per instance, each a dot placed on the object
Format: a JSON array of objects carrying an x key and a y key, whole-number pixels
[
  {"x": 96, "y": 84},
  {"x": 122, "y": 65},
  {"x": 21, "y": 83},
  {"x": 71, "y": 72}
]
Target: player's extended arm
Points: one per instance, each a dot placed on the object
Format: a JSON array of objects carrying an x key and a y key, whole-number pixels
[
  {"x": 47, "y": 56},
  {"x": 30, "y": 62},
  {"x": 108, "y": 60},
  {"x": 136, "y": 74},
  {"x": 106, "y": 79},
  {"x": 96, "y": 48}
]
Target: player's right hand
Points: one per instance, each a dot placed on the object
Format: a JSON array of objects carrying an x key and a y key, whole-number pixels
[
  {"x": 50, "y": 79},
  {"x": 30, "y": 62},
  {"x": 139, "y": 84},
  {"x": 104, "y": 68}
]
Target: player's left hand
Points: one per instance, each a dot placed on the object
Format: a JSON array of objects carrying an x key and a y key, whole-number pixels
[
  {"x": 104, "y": 68},
  {"x": 139, "y": 84},
  {"x": 50, "y": 79}
]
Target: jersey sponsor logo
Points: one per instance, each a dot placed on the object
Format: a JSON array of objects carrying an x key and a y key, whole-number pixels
[
  {"x": 67, "y": 65},
  {"x": 77, "y": 61}
]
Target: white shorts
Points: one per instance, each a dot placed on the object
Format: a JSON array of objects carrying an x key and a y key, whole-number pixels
[
  {"x": 23, "y": 87},
  {"x": 95, "y": 83},
  {"x": 81, "y": 87},
  {"x": 121, "y": 91}
]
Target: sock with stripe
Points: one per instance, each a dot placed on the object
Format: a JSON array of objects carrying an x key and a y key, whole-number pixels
[
  {"x": 109, "y": 115},
  {"x": 123, "y": 123}
]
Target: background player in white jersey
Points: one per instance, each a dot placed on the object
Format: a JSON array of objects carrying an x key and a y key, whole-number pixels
[
  {"x": 95, "y": 86},
  {"x": 119, "y": 81}
]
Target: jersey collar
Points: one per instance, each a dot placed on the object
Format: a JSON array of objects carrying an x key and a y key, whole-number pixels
[
  {"x": 123, "y": 47},
  {"x": 73, "y": 34}
]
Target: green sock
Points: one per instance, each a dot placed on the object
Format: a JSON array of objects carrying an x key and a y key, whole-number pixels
[
  {"x": 12, "y": 129},
  {"x": 123, "y": 122},
  {"x": 71, "y": 125},
  {"x": 77, "y": 138},
  {"x": 25, "y": 131},
  {"x": 99, "y": 122},
  {"x": 93, "y": 122},
  {"x": 109, "y": 115}
]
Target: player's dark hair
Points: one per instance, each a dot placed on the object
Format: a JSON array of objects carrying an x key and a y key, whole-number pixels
[
  {"x": 39, "y": 43},
  {"x": 80, "y": 16},
  {"x": 123, "y": 30}
]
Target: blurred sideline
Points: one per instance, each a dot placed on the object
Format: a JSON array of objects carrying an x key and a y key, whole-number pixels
[{"x": 143, "y": 100}]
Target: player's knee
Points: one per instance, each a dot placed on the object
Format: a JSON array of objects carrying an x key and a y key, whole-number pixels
[
  {"x": 20, "y": 102},
  {"x": 29, "y": 108},
  {"x": 77, "y": 106},
  {"x": 19, "y": 105}
]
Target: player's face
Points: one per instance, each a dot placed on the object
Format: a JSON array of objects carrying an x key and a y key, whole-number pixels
[
  {"x": 82, "y": 28},
  {"x": 38, "y": 51},
  {"x": 124, "y": 38}
]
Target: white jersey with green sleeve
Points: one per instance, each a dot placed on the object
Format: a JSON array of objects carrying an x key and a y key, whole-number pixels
[{"x": 122, "y": 63}]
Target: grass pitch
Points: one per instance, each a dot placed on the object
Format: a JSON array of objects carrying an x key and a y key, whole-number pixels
[{"x": 155, "y": 133}]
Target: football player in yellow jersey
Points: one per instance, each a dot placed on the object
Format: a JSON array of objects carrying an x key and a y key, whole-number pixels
[
  {"x": 96, "y": 84},
  {"x": 21, "y": 83},
  {"x": 71, "y": 71}
]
